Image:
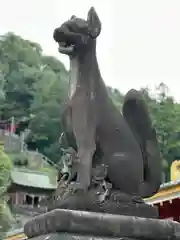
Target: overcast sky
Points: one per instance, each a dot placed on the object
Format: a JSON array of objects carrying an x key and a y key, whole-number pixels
[{"x": 139, "y": 44}]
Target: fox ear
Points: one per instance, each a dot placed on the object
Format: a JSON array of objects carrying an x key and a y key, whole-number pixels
[
  {"x": 94, "y": 23},
  {"x": 73, "y": 17}
]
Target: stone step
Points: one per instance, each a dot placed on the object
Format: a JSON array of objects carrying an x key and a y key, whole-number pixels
[{"x": 101, "y": 225}]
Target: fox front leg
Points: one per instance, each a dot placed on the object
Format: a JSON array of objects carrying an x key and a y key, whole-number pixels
[
  {"x": 85, "y": 141},
  {"x": 84, "y": 168},
  {"x": 84, "y": 127}
]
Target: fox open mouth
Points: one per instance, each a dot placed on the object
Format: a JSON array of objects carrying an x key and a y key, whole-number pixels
[{"x": 66, "y": 48}]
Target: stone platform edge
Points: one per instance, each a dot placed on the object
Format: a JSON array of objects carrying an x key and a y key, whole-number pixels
[{"x": 101, "y": 225}]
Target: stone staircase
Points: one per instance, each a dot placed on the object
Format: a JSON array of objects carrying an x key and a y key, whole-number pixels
[
  {"x": 14, "y": 144},
  {"x": 16, "y": 148}
]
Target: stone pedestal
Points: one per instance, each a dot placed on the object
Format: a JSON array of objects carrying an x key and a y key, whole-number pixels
[
  {"x": 116, "y": 202},
  {"x": 68, "y": 224}
]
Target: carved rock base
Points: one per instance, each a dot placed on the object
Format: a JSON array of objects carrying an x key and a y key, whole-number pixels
[
  {"x": 99, "y": 225},
  {"x": 66, "y": 236},
  {"x": 116, "y": 202}
]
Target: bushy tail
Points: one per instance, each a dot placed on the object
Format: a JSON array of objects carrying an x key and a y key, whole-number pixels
[{"x": 137, "y": 116}]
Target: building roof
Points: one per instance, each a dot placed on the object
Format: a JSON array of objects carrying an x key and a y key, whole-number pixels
[
  {"x": 168, "y": 191},
  {"x": 170, "y": 184},
  {"x": 34, "y": 179},
  {"x": 16, "y": 234},
  {"x": 58, "y": 236},
  {"x": 15, "y": 231}
]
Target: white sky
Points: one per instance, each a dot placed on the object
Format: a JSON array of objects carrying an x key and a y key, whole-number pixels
[{"x": 139, "y": 44}]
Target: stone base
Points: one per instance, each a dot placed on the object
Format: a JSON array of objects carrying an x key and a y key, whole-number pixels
[
  {"x": 116, "y": 203},
  {"x": 66, "y": 236},
  {"x": 101, "y": 226}
]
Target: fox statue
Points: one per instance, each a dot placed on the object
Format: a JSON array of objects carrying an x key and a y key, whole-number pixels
[{"x": 127, "y": 141}]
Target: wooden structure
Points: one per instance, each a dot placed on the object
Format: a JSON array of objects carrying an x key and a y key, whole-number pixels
[
  {"x": 167, "y": 200},
  {"x": 16, "y": 234},
  {"x": 26, "y": 194},
  {"x": 28, "y": 189},
  {"x": 168, "y": 197}
]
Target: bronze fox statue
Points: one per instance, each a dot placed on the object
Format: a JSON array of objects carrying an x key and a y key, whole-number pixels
[{"x": 128, "y": 141}]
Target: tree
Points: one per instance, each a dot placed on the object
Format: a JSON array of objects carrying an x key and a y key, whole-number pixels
[
  {"x": 165, "y": 113},
  {"x": 34, "y": 84},
  {"x": 116, "y": 97},
  {"x": 5, "y": 215},
  {"x": 20, "y": 64},
  {"x": 48, "y": 105}
]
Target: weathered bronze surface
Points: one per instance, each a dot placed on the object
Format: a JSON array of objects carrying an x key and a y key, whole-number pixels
[{"x": 127, "y": 142}]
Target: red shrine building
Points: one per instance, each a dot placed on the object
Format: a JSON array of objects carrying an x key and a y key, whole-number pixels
[{"x": 168, "y": 198}]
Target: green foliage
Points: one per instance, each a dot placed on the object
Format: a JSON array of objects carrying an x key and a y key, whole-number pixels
[
  {"x": 19, "y": 63},
  {"x": 47, "y": 107},
  {"x": 116, "y": 96},
  {"x": 31, "y": 83},
  {"x": 5, "y": 215},
  {"x": 5, "y": 167},
  {"x": 165, "y": 113},
  {"x": 6, "y": 219}
]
